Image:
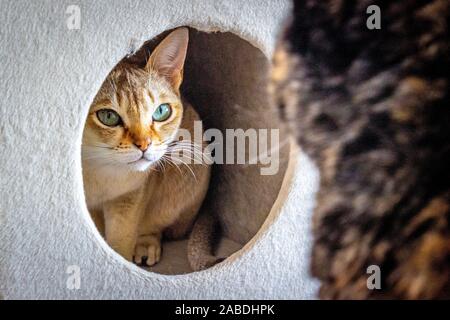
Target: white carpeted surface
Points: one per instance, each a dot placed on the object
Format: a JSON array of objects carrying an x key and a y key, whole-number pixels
[{"x": 49, "y": 77}]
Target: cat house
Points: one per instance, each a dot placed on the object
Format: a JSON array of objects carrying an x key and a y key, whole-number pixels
[{"x": 55, "y": 57}]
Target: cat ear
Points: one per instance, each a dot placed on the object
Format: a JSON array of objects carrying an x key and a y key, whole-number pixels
[{"x": 168, "y": 57}]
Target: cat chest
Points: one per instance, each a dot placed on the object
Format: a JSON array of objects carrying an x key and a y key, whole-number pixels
[{"x": 101, "y": 189}]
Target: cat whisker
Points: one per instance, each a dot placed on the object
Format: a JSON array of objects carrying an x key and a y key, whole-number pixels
[
  {"x": 185, "y": 142},
  {"x": 188, "y": 167},
  {"x": 170, "y": 162},
  {"x": 161, "y": 164},
  {"x": 186, "y": 146},
  {"x": 187, "y": 154}
]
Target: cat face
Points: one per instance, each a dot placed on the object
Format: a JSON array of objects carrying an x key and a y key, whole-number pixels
[{"x": 137, "y": 112}]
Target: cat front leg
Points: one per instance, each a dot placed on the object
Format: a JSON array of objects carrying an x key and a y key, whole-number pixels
[
  {"x": 148, "y": 249},
  {"x": 121, "y": 224}
]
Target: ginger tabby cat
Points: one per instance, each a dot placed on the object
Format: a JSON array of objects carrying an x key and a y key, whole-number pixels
[{"x": 134, "y": 191}]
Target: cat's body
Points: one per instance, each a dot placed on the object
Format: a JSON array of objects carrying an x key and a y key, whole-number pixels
[
  {"x": 137, "y": 189},
  {"x": 371, "y": 107},
  {"x": 164, "y": 200}
]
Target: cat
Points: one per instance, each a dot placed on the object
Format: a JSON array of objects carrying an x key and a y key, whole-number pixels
[
  {"x": 371, "y": 108},
  {"x": 135, "y": 191}
]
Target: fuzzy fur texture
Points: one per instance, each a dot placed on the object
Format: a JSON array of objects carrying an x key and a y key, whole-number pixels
[{"x": 371, "y": 107}]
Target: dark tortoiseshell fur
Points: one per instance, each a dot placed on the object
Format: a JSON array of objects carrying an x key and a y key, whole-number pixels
[{"x": 372, "y": 109}]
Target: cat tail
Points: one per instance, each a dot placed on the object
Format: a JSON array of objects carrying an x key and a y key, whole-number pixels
[{"x": 202, "y": 242}]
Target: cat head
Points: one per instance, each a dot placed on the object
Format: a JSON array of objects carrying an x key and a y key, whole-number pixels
[{"x": 138, "y": 111}]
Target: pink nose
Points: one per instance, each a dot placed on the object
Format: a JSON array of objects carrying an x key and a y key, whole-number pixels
[{"x": 143, "y": 144}]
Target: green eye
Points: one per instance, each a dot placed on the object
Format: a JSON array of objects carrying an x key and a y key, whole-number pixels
[
  {"x": 162, "y": 113},
  {"x": 109, "y": 117}
]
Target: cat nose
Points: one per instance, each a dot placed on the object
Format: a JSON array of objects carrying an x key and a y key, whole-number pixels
[{"x": 143, "y": 144}]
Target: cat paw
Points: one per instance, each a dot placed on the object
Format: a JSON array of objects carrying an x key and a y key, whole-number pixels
[
  {"x": 148, "y": 251},
  {"x": 153, "y": 254}
]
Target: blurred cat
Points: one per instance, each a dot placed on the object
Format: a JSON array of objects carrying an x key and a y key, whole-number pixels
[{"x": 372, "y": 108}]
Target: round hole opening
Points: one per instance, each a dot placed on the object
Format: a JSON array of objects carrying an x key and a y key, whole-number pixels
[{"x": 225, "y": 80}]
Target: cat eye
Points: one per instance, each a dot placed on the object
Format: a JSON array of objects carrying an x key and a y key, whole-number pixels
[
  {"x": 162, "y": 113},
  {"x": 109, "y": 117}
]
